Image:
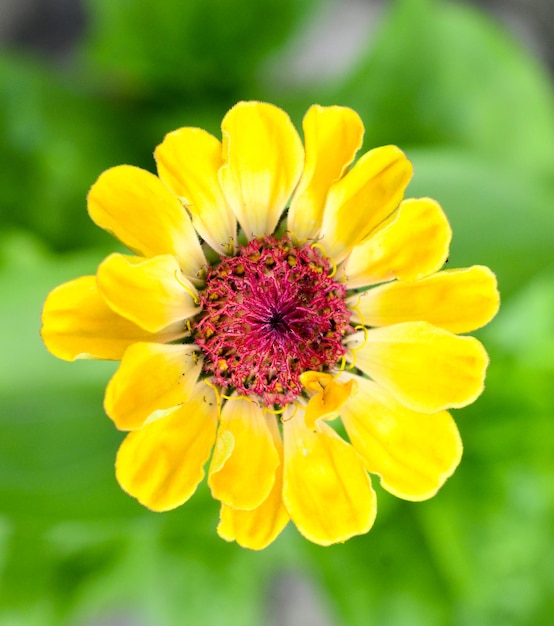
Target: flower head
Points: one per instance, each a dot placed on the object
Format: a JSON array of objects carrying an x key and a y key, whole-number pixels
[{"x": 275, "y": 288}]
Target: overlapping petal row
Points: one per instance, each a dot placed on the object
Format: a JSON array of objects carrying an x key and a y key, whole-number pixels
[{"x": 405, "y": 363}]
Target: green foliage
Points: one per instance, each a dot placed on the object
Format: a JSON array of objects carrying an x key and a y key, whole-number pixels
[
  {"x": 56, "y": 138},
  {"x": 498, "y": 214},
  {"x": 199, "y": 47},
  {"x": 440, "y": 73},
  {"x": 476, "y": 115}
]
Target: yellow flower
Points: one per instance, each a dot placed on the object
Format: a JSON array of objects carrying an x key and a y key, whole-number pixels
[{"x": 244, "y": 328}]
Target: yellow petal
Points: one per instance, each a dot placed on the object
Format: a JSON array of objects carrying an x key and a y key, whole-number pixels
[
  {"x": 245, "y": 458},
  {"x": 413, "y": 453},
  {"x": 326, "y": 490},
  {"x": 332, "y": 136},
  {"x": 330, "y": 395},
  {"x": 263, "y": 158},
  {"x": 151, "y": 381},
  {"x": 360, "y": 201},
  {"x": 137, "y": 208},
  {"x": 426, "y": 368},
  {"x": 152, "y": 293},
  {"x": 257, "y": 528},
  {"x": 188, "y": 161},
  {"x": 456, "y": 300},
  {"x": 162, "y": 463},
  {"x": 412, "y": 244},
  {"x": 78, "y": 323}
]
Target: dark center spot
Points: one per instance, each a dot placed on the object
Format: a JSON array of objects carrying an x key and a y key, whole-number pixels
[{"x": 277, "y": 322}]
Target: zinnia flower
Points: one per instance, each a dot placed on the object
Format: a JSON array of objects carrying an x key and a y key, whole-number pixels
[{"x": 274, "y": 287}]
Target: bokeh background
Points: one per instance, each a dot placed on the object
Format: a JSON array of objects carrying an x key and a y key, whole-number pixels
[{"x": 467, "y": 93}]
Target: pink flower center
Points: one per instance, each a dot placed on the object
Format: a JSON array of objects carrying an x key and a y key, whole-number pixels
[{"x": 268, "y": 314}]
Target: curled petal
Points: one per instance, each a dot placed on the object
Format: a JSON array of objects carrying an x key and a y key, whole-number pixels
[
  {"x": 263, "y": 158},
  {"x": 257, "y": 528},
  {"x": 413, "y": 453},
  {"x": 188, "y": 161},
  {"x": 362, "y": 199},
  {"x": 152, "y": 293},
  {"x": 332, "y": 136},
  {"x": 326, "y": 489},
  {"x": 457, "y": 300},
  {"x": 137, "y": 208},
  {"x": 410, "y": 245},
  {"x": 425, "y": 368},
  {"x": 162, "y": 463},
  {"x": 245, "y": 458},
  {"x": 79, "y": 324},
  {"x": 152, "y": 380},
  {"x": 330, "y": 395}
]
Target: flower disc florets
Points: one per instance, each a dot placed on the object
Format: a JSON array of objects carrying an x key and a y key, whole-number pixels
[{"x": 268, "y": 314}]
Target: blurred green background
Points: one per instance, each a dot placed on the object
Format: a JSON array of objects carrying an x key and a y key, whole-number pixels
[{"x": 475, "y": 113}]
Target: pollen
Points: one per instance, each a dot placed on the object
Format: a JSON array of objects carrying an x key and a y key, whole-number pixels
[{"x": 270, "y": 313}]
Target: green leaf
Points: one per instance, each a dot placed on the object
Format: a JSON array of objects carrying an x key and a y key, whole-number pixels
[
  {"x": 500, "y": 217},
  {"x": 443, "y": 73},
  {"x": 55, "y": 140},
  {"x": 199, "y": 47},
  {"x": 525, "y": 328}
]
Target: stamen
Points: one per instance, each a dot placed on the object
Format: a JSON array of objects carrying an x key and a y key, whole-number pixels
[
  {"x": 278, "y": 411},
  {"x": 362, "y": 326},
  {"x": 354, "y": 351},
  {"x": 182, "y": 281}
]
